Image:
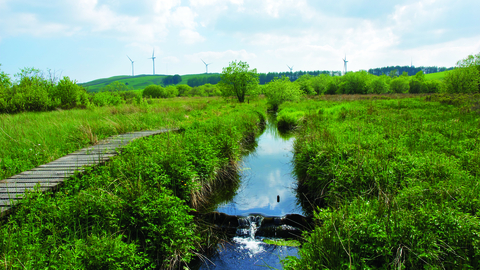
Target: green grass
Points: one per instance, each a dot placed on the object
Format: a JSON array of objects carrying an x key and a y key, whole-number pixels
[
  {"x": 134, "y": 212},
  {"x": 282, "y": 242},
  {"x": 436, "y": 76},
  {"x": 33, "y": 138},
  {"x": 396, "y": 182},
  {"x": 137, "y": 82}
]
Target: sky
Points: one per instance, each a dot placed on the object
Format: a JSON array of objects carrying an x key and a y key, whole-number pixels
[{"x": 91, "y": 39}]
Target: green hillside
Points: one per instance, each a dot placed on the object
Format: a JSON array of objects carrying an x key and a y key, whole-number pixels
[
  {"x": 436, "y": 76},
  {"x": 137, "y": 82}
]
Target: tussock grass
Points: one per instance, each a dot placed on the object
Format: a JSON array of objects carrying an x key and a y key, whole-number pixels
[
  {"x": 33, "y": 138},
  {"x": 397, "y": 183},
  {"x": 135, "y": 212}
]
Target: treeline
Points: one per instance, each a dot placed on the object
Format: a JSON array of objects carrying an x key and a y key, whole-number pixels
[
  {"x": 198, "y": 81},
  {"x": 465, "y": 78},
  {"x": 172, "y": 79},
  {"x": 265, "y": 78},
  {"x": 35, "y": 90},
  {"x": 181, "y": 90},
  {"x": 410, "y": 70}
]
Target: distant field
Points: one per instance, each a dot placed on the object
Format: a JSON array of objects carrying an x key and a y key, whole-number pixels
[
  {"x": 436, "y": 76},
  {"x": 136, "y": 82}
]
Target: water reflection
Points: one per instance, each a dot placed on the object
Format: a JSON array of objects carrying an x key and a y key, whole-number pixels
[{"x": 266, "y": 176}]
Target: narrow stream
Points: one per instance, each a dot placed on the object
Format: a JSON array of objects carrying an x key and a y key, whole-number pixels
[{"x": 267, "y": 192}]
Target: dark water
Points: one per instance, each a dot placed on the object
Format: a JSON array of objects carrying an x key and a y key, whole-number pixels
[{"x": 267, "y": 188}]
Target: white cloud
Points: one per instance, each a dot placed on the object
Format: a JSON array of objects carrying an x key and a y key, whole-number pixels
[
  {"x": 184, "y": 17},
  {"x": 29, "y": 24},
  {"x": 277, "y": 8},
  {"x": 190, "y": 36},
  {"x": 227, "y": 55},
  {"x": 170, "y": 59}
]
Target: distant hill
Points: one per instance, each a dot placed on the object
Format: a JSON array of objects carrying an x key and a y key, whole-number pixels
[
  {"x": 139, "y": 81},
  {"x": 436, "y": 76}
]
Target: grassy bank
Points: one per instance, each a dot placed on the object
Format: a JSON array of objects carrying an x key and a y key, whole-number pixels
[
  {"x": 135, "y": 212},
  {"x": 396, "y": 183},
  {"x": 33, "y": 138}
]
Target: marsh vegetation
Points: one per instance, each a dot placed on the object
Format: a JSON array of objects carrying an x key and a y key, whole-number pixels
[{"x": 388, "y": 166}]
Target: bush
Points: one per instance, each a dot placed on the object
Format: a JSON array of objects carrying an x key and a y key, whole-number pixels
[
  {"x": 107, "y": 99},
  {"x": 154, "y": 91},
  {"x": 281, "y": 90},
  {"x": 320, "y": 83},
  {"x": 399, "y": 85},
  {"x": 354, "y": 83},
  {"x": 183, "y": 90},
  {"x": 378, "y": 85},
  {"x": 170, "y": 92},
  {"x": 305, "y": 84},
  {"x": 462, "y": 80},
  {"x": 70, "y": 94}
]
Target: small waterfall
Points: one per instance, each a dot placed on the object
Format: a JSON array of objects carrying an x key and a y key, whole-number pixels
[{"x": 247, "y": 228}]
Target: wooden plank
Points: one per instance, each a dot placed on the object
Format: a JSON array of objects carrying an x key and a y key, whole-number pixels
[
  {"x": 51, "y": 175},
  {"x": 21, "y": 190},
  {"x": 6, "y": 203},
  {"x": 35, "y": 176},
  {"x": 11, "y": 196},
  {"x": 53, "y": 168},
  {"x": 26, "y": 185},
  {"x": 34, "y": 180},
  {"x": 48, "y": 173}
]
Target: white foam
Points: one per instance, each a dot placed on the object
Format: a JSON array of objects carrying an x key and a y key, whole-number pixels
[{"x": 251, "y": 245}]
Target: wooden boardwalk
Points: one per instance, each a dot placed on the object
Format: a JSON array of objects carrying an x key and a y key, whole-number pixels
[{"x": 50, "y": 175}]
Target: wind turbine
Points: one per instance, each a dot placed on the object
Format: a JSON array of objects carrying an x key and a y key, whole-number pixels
[
  {"x": 206, "y": 65},
  {"x": 132, "y": 65},
  {"x": 345, "y": 63},
  {"x": 153, "y": 59},
  {"x": 291, "y": 68}
]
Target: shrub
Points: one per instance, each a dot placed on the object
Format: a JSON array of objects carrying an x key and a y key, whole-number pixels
[
  {"x": 183, "y": 90},
  {"x": 107, "y": 99},
  {"x": 320, "y": 83},
  {"x": 281, "y": 90},
  {"x": 399, "y": 85},
  {"x": 378, "y": 85},
  {"x": 305, "y": 84},
  {"x": 69, "y": 93},
  {"x": 354, "y": 83},
  {"x": 170, "y": 92},
  {"x": 153, "y": 91},
  {"x": 462, "y": 80}
]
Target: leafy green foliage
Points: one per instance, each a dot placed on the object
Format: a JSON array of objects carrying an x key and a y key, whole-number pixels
[
  {"x": 70, "y": 94},
  {"x": 154, "y": 91},
  {"x": 135, "y": 211},
  {"x": 354, "y": 83},
  {"x": 399, "y": 85},
  {"x": 115, "y": 87},
  {"x": 238, "y": 80},
  {"x": 394, "y": 183},
  {"x": 463, "y": 80},
  {"x": 281, "y": 90}
]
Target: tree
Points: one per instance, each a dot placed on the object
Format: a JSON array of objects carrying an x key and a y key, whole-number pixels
[
  {"x": 471, "y": 60},
  {"x": 281, "y": 90},
  {"x": 462, "y": 80},
  {"x": 237, "y": 80},
  {"x": 115, "y": 86},
  {"x": 354, "y": 83},
  {"x": 399, "y": 85},
  {"x": 378, "y": 85}
]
